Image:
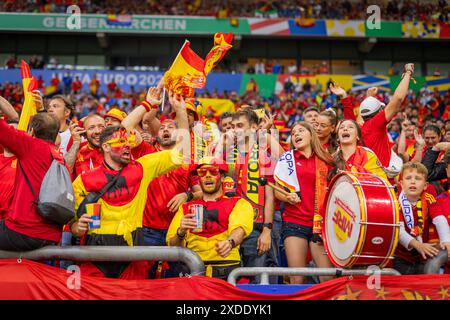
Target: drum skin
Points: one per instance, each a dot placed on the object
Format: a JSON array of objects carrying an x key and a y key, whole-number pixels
[{"x": 361, "y": 223}]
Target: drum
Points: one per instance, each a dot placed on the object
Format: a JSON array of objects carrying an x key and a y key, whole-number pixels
[{"x": 361, "y": 223}]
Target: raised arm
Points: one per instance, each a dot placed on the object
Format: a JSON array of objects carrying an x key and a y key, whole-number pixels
[
  {"x": 420, "y": 147},
  {"x": 400, "y": 93},
  {"x": 152, "y": 102},
  {"x": 71, "y": 156},
  {"x": 347, "y": 101},
  {"x": 8, "y": 110}
]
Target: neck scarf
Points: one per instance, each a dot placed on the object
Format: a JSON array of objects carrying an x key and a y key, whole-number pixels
[
  {"x": 249, "y": 169},
  {"x": 415, "y": 230},
  {"x": 286, "y": 175}
]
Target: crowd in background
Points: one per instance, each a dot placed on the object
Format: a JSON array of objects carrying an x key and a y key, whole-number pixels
[
  {"x": 287, "y": 106},
  {"x": 400, "y": 137},
  {"x": 408, "y": 10}
]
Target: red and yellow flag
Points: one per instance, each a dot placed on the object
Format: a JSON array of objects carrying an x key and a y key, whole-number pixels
[
  {"x": 29, "y": 107},
  {"x": 222, "y": 43},
  {"x": 188, "y": 71}
]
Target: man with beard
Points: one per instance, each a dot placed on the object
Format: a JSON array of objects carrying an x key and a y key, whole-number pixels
[
  {"x": 225, "y": 222},
  {"x": 167, "y": 192},
  {"x": 90, "y": 156},
  {"x": 253, "y": 161},
  {"x": 122, "y": 205}
]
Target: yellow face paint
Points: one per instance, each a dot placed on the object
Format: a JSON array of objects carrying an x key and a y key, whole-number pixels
[{"x": 121, "y": 138}]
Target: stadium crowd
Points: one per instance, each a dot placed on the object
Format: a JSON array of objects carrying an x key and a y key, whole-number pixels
[
  {"x": 153, "y": 174},
  {"x": 407, "y": 10}
]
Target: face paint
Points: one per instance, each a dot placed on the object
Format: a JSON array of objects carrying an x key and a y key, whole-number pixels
[{"x": 121, "y": 138}]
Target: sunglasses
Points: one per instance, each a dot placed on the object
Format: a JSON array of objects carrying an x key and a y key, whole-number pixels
[{"x": 202, "y": 171}]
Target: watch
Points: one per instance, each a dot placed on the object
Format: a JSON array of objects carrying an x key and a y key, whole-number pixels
[
  {"x": 268, "y": 225},
  {"x": 232, "y": 242},
  {"x": 190, "y": 196}
]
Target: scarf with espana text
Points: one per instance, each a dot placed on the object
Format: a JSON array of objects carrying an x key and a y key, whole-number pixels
[
  {"x": 247, "y": 173},
  {"x": 285, "y": 174}
]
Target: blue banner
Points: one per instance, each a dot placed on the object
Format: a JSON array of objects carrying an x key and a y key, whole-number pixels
[
  {"x": 222, "y": 82},
  {"x": 140, "y": 80},
  {"x": 124, "y": 79}
]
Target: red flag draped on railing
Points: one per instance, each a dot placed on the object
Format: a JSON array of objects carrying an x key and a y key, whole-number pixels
[{"x": 30, "y": 280}]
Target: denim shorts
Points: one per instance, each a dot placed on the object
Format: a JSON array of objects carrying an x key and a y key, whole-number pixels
[{"x": 289, "y": 229}]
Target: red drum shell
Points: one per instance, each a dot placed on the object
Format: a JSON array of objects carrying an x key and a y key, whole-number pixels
[{"x": 361, "y": 223}]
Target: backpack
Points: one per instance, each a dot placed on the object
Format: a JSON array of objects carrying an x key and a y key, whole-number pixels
[{"x": 56, "y": 200}]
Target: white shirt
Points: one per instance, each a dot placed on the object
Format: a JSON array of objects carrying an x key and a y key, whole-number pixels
[{"x": 65, "y": 138}]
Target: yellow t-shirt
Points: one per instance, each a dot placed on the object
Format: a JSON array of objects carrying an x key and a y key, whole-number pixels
[
  {"x": 123, "y": 206},
  {"x": 220, "y": 219}
]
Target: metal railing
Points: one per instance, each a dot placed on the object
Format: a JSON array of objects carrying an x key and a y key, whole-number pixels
[
  {"x": 265, "y": 272},
  {"x": 433, "y": 265},
  {"x": 113, "y": 253}
]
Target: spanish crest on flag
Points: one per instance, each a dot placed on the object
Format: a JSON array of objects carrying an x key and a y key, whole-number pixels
[{"x": 189, "y": 71}]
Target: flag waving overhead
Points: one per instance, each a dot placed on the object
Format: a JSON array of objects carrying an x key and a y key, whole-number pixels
[
  {"x": 188, "y": 71},
  {"x": 222, "y": 43},
  {"x": 29, "y": 108}
]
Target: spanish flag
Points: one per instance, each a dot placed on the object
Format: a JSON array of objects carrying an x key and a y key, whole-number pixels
[
  {"x": 222, "y": 43},
  {"x": 188, "y": 71},
  {"x": 29, "y": 107}
]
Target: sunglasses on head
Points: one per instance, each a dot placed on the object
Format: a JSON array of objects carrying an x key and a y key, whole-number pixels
[{"x": 212, "y": 170}]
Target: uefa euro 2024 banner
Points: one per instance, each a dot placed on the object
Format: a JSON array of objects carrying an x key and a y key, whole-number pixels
[{"x": 124, "y": 79}]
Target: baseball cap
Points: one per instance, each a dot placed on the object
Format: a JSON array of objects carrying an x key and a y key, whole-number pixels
[
  {"x": 116, "y": 114},
  {"x": 369, "y": 106}
]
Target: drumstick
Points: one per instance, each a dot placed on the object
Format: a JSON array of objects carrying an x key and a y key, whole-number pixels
[{"x": 263, "y": 181}]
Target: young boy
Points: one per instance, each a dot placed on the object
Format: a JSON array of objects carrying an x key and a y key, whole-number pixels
[{"x": 417, "y": 211}]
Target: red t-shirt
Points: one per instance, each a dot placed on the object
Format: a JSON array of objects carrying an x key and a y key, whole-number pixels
[
  {"x": 160, "y": 191},
  {"x": 142, "y": 149},
  {"x": 112, "y": 86},
  {"x": 7, "y": 179},
  {"x": 375, "y": 137},
  {"x": 35, "y": 158},
  {"x": 88, "y": 158},
  {"x": 55, "y": 82},
  {"x": 77, "y": 85},
  {"x": 303, "y": 213},
  {"x": 443, "y": 205}
]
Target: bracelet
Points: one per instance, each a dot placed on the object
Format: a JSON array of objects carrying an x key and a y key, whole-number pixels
[
  {"x": 232, "y": 242},
  {"x": 181, "y": 237},
  {"x": 147, "y": 105}
]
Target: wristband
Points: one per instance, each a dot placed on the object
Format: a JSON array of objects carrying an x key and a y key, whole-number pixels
[{"x": 147, "y": 105}]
